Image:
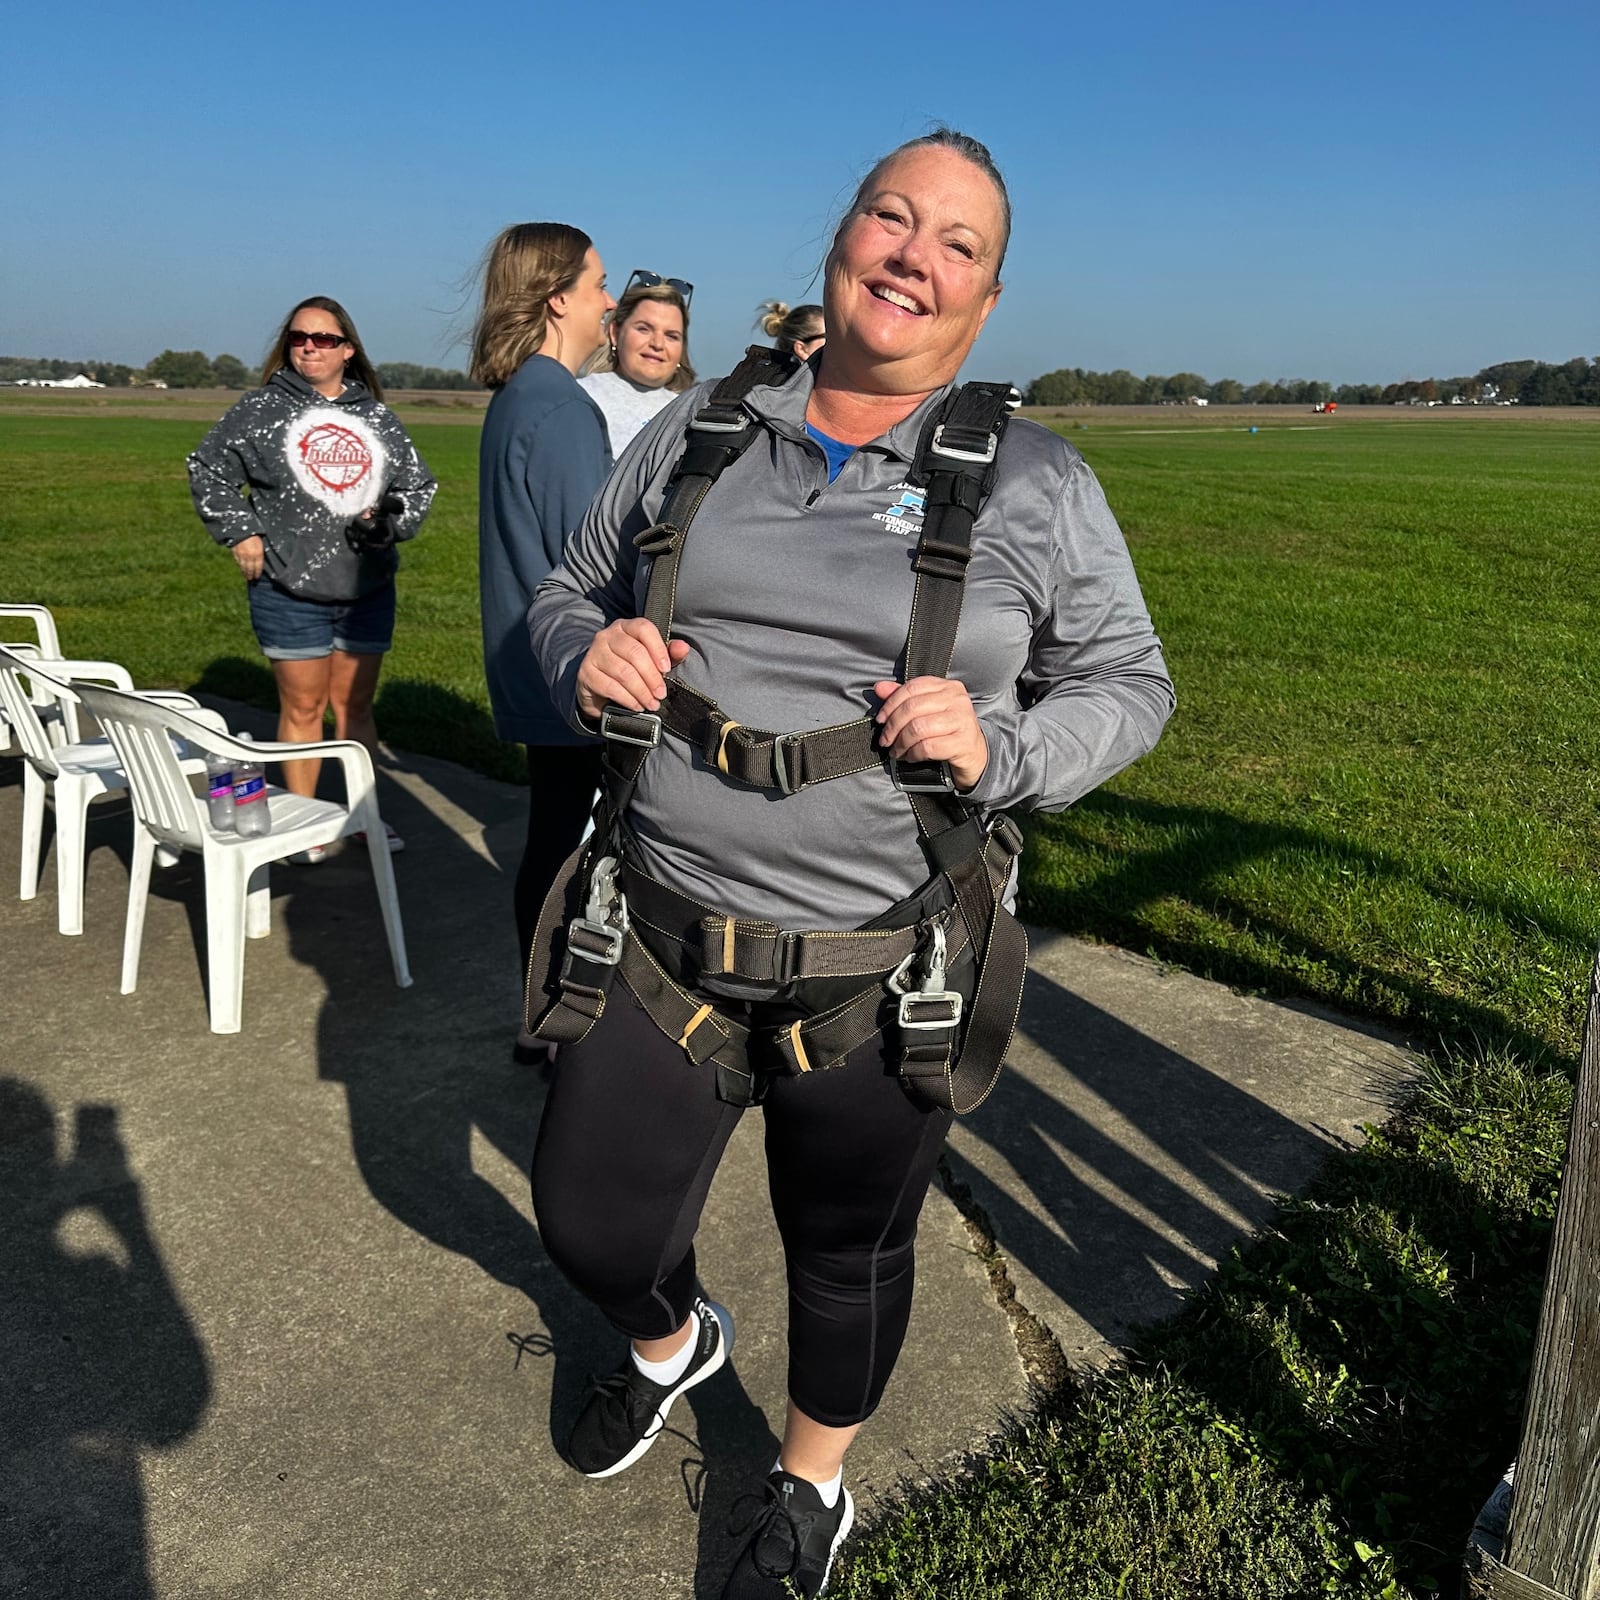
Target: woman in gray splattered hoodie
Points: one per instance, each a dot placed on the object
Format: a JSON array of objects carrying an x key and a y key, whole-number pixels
[{"x": 311, "y": 481}]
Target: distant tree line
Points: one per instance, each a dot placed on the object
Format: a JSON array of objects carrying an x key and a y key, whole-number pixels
[
  {"x": 178, "y": 369},
  {"x": 109, "y": 373},
  {"x": 1530, "y": 383},
  {"x": 407, "y": 375},
  {"x": 194, "y": 369}
]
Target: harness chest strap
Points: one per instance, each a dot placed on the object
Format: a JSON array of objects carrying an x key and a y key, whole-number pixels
[{"x": 955, "y": 458}]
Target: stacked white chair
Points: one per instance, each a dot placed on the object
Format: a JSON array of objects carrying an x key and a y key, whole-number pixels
[
  {"x": 45, "y": 645},
  {"x": 41, "y": 699},
  {"x": 238, "y": 901}
]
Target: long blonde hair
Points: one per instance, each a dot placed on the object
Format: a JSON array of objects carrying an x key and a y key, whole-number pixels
[
  {"x": 527, "y": 264},
  {"x": 604, "y": 359}
]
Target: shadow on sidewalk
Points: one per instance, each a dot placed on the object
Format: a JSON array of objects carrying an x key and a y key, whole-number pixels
[
  {"x": 1115, "y": 1226},
  {"x": 98, "y": 1359},
  {"x": 432, "y": 1091}
]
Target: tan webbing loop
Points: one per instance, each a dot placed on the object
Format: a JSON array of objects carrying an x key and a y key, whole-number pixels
[
  {"x": 722, "y": 764},
  {"x": 727, "y": 944},
  {"x": 801, "y": 1060},
  {"x": 694, "y": 1022}
]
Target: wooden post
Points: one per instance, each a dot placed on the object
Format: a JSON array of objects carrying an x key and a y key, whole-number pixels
[{"x": 1553, "y": 1542}]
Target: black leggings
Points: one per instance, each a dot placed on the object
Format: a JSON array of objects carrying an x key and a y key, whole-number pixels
[
  {"x": 562, "y": 779},
  {"x": 631, "y": 1136}
]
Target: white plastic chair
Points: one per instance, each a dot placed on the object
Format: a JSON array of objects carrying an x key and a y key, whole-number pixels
[
  {"x": 238, "y": 898},
  {"x": 73, "y": 773},
  {"x": 43, "y": 624},
  {"x": 48, "y": 643}
]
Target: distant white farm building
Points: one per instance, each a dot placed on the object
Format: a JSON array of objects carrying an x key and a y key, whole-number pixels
[{"x": 81, "y": 381}]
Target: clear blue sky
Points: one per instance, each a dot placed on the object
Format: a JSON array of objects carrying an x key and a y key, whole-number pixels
[{"x": 1358, "y": 191}]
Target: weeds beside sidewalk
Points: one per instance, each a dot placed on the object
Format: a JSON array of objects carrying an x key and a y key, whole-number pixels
[{"x": 1324, "y": 1419}]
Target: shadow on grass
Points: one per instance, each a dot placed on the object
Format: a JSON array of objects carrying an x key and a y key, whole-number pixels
[
  {"x": 411, "y": 715},
  {"x": 1353, "y": 1375},
  {"x": 1194, "y": 868},
  {"x": 1375, "y": 1342},
  {"x": 235, "y": 678}
]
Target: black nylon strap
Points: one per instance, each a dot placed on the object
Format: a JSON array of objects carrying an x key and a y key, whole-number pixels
[
  {"x": 561, "y": 904},
  {"x": 973, "y": 422},
  {"x": 720, "y": 432},
  {"x": 723, "y": 946},
  {"x": 956, "y": 461}
]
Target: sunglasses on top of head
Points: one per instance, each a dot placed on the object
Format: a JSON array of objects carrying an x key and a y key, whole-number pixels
[
  {"x": 654, "y": 280},
  {"x": 299, "y": 338}
]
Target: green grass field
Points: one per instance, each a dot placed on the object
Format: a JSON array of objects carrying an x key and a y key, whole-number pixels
[
  {"x": 1380, "y": 787},
  {"x": 1379, "y": 790}
]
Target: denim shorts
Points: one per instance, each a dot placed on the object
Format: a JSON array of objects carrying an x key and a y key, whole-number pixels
[{"x": 291, "y": 629}]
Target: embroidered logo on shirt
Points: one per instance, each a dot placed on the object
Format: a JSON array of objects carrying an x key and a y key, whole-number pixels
[
  {"x": 337, "y": 459},
  {"x": 905, "y": 515}
]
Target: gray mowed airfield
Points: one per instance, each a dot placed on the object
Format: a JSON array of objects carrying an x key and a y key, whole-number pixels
[{"x": 274, "y": 1316}]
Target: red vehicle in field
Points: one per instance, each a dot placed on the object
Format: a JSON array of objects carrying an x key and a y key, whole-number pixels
[{"x": 1327, "y": 407}]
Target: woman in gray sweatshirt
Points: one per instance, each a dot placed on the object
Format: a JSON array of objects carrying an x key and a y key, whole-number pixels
[{"x": 310, "y": 481}]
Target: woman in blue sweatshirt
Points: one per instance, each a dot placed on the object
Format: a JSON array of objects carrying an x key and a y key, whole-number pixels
[{"x": 543, "y": 455}]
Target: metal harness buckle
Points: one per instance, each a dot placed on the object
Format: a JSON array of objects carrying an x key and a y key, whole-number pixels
[
  {"x": 604, "y": 917},
  {"x": 608, "y": 731},
  {"x": 707, "y": 422},
  {"x": 943, "y": 784},
  {"x": 954, "y": 453},
  {"x": 932, "y": 992},
  {"x": 780, "y": 763}
]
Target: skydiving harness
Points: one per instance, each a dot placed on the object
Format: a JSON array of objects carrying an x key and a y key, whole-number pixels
[{"x": 943, "y": 968}]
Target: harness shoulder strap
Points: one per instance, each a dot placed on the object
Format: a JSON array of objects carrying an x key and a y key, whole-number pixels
[
  {"x": 717, "y": 435},
  {"x": 956, "y": 462}
]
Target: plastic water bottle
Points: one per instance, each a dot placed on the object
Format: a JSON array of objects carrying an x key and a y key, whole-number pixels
[
  {"x": 219, "y": 792},
  {"x": 251, "y": 818}
]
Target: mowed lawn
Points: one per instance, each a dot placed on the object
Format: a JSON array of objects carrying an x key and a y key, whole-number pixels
[
  {"x": 1378, "y": 790},
  {"x": 1381, "y": 784},
  {"x": 96, "y": 521},
  {"x": 1380, "y": 787}
]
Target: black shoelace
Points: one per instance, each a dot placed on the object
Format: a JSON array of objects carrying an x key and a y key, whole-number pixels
[
  {"x": 619, "y": 1389},
  {"x": 762, "y": 1522}
]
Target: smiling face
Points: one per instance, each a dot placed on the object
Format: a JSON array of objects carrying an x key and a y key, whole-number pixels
[
  {"x": 911, "y": 275},
  {"x": 648, "y": 343},
  {"x": 322, "y": 369}
]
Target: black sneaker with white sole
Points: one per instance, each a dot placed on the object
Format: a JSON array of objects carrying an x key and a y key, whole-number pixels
[
  {"x": 791, "y": 1541},
  {"x": 626, "y": 1411}
]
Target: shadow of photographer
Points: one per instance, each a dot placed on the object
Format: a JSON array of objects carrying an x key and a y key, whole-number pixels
[{"x": 99, "y": 1362}]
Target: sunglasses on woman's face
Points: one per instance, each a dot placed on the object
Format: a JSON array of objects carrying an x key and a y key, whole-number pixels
[
  {"x": 654, "y": 280},
  {"x": 299, "y": 338}
]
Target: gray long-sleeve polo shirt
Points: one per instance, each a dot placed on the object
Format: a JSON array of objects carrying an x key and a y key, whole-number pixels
[{"x": 794, "y": 596}]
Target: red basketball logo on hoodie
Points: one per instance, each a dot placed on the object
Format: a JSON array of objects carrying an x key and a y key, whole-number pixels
[{"x": 335, "y": 456}]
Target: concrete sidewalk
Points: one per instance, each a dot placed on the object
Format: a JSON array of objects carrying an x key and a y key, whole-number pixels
[{"x": 275, "y": 1321}]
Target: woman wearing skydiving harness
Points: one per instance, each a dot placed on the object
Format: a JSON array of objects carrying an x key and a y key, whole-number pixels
[
  {"x": 310, "y": 481},
  {"x": 796, "y": 895}
]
